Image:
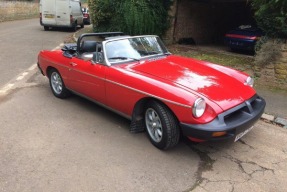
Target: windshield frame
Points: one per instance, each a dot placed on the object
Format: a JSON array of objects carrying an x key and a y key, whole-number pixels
[{"x": 119, "y": 38}]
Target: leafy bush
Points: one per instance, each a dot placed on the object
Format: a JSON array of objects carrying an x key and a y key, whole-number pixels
[
  {"x": 271, "y": 17},
  {"x": 134, "y": 17}
]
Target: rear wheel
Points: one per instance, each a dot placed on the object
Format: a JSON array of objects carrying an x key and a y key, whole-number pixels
[
  {"x": 46, "y": 28},
  {"x": 57, "y": 84},
  {"x": 74, "y": 27},
  {"x": 161, "y": 126}
]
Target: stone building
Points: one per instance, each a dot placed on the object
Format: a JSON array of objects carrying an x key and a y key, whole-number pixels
[{"x": 206, "y": 21}]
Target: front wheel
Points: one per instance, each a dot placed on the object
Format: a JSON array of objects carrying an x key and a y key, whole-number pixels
[
  {"x": 161, "y": 126},
  {"x": 57, "y": 85}
]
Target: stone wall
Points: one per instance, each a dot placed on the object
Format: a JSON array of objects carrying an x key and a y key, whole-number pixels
[
  {"x": 275, "y": 73},
  {"x": 13, "y": 10}
]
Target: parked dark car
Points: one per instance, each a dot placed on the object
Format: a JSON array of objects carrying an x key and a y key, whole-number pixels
[
  {"x": 243, "y": 38},
  {"x": 87, "y": 19}
]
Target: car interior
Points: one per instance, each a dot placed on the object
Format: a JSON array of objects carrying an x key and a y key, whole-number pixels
[{"x": 86, "y": 49}]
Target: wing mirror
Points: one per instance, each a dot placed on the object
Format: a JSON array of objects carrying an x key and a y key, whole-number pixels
[
  {"x": 98, "y": 57},
  {"x": 87, "y": 56}
]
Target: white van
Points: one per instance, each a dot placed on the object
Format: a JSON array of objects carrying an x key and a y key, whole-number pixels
[{"x": 61, "y": 13}]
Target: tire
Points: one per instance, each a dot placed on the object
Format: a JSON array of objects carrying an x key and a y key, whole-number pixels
[
  {"x": 46, "y": 28},
  {"x": 57, "y": 84},
  {"x": 82, "y": 26},
  {"x": 161, "y": 126},
  {"x": 74, "y": 27}
]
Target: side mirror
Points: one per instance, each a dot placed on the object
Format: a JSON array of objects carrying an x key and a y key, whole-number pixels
[
  {"x": 98, "y": 57},
  {"x": 87, "y": 56}
]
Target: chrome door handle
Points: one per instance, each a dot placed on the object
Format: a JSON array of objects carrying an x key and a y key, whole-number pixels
[{"x": 73, "y": 64}]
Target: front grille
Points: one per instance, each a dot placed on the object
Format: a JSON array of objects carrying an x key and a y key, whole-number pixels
[{"x": 245, "y": 109}]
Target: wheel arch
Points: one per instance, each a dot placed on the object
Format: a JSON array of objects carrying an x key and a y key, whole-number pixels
[
  {"x": 137, "y": 118},
  {"x": 49, "y": 69}
]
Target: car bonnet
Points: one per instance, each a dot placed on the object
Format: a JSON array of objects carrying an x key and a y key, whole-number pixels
[{"x": 193, "y": 75}]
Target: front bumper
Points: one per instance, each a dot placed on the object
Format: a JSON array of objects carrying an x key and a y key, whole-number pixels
[
  {"x": 233, "y": 121},
  {"x": 86, "y": 20}
]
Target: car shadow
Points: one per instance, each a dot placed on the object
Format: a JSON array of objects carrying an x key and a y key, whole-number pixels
[
  {"x": 60, "y": 29},
  {"x": 242, "y": 52},
  {"x": 100, "y": 111},
  {"x": 111, "y": 116},
  {"x": 202, "y": 149}
]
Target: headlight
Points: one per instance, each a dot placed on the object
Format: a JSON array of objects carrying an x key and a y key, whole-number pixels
[
  {"x": 198, "y": 107},
  {"x": 249, "y": 81}
]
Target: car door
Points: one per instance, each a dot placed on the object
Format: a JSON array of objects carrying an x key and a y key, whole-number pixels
[
  {"x": 62, "y": 13},
  {"x": 88, "y": 79}
]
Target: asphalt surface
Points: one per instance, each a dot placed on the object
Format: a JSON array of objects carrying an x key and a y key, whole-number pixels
[
  {"x": 50, "y": 144},
  {"x": 20, "y": 43}
]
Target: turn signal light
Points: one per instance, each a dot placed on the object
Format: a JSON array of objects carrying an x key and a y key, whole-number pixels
[{"x": 219, "y": 134}]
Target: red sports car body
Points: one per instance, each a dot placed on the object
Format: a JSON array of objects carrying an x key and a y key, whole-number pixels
[{"x": 164, "y": 94}]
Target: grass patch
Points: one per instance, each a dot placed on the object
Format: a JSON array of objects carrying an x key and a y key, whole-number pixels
[
  {"x": 242, "y": 63},
  {"x": 14, "y": 10}
]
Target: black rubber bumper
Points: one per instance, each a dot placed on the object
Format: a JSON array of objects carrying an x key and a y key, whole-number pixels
[{"x": 233, "y": 121}]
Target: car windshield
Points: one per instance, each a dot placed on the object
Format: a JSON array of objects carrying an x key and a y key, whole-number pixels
[{"x": 134, "y": 48}]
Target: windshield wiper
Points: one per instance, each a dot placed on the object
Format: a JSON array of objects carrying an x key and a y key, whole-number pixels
[{"x": 124, "y": 58}]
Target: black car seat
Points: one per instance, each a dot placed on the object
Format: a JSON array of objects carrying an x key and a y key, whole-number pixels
[{"x": 88, "y": 46}]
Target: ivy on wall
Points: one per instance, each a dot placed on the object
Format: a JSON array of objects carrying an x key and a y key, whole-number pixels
[
  {"x": 133, "y": 17},
  {"x": 271, "y": 17}
]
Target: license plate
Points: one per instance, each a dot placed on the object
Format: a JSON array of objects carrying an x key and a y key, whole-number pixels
[
  {"x": 242, "y": 134},
  {"x": 50, "y": 16}
]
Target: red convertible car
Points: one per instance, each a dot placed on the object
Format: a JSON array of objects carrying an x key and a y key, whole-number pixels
[{"x": 162, "y": 94}]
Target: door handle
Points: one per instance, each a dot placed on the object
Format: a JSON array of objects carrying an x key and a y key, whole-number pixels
[{"x": 73, "y": 64}]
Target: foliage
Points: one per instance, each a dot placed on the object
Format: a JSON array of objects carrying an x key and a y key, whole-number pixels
[
  {"x": 271, "y": 17},
  {"x": 133, "y": 17}
]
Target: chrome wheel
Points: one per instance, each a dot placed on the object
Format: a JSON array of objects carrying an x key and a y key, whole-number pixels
[
  {"x": 161, "y": 125},
  {"x": 153, "y": 125},
  {"x": 56, "y": 82}
]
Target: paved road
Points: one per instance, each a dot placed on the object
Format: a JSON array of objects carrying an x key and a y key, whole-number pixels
[
  {"x": 50, "y": 144},
  {"x": 20, "y": 42}
]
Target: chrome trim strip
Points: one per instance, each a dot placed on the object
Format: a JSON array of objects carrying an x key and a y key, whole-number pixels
[
  {"x": 97, "y": 77},
  {"x": 58, "y": 64},
  {"x": 148, "y": 94},
  {"x": 131, "y": 88}
]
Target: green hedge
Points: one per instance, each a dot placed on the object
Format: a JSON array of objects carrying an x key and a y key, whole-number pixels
[
  {"x": 133, "y": 17},
  {"x": 271, "y": 17}
]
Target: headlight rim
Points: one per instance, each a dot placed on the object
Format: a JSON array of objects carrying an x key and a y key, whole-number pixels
[
  {"x": 197, "y": 103},
  {"x": 249, "y": 81}
]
